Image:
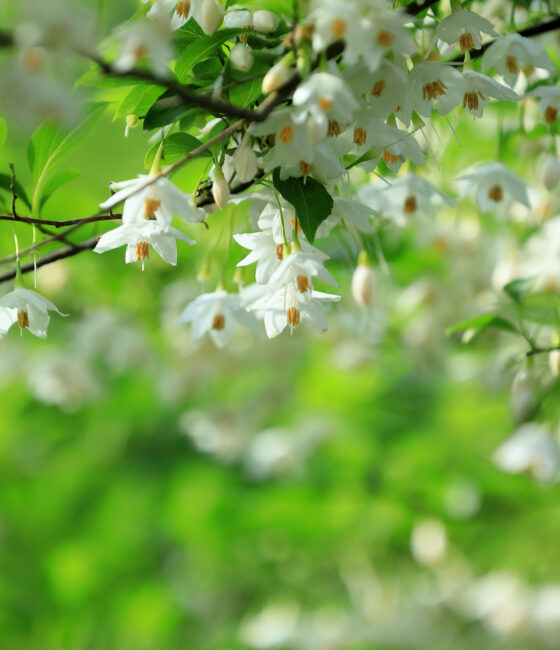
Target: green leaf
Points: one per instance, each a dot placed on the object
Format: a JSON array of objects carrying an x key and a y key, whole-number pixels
[
  {"x": 481, "y": 323},
  {"x": 542, "y": 307},
  {"x": 312, "y": 202},
  {"x": 246, "y": 93},
  {"x": 5, "y": 184},
  {"x": 201, "y": 49},
  {"x": 189, "y": 32},
  {"x": 138, "y": 101},
  {"x": 518, "y": 289},
  {"x": 167, "y": 109},
  {"x": 55, "y": 182},
  {"x": 49, "y": 143},
  {"x": 175, "y": 147}
]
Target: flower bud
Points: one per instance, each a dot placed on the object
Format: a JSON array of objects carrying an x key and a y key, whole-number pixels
[
  {"x": 245, "y": 163},
  {"x": 554, "y": 362},
  {"x": 264, "y": 21},
  {"x": 211, "y": 15},
  {"x": 524, "y": 394},
  {"x": 363, "y": 282},
  {"x": 550, "y": 171},
  {"x": 241, "y": 57},
  {"x": 220, "y": 189},
  {"x": 132, "y": 122},
  {"x": 277, "y": 75}
]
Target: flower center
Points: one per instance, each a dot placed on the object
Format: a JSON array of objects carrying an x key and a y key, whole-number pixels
[
  {"x": 466, "y": 42},
  {"x": 389, "y": 158},
  {"x": 183, "y": 8},
  {"x": 325, "y": 104},
  {"x": 302, "y": 283},
  {"x": 34, "y": 60},
  {"x": 433, "y": 89},
  {"x": 409, "y": 205},
  {"x": 304, "y": 167},
  {"x": 528, "y": 69},
  {"x": 338, "y": 28},
  {"x": 334, "y": 129},
  {"x": 360, "y": 136},
  {"x": 495, "y": 193},
  {"x": 286, "y": 134},
  {"x": 22, "y": 318},
  {"x": 385, "y": 38},
  {"x": 550, "y": 114},
  {"x": 140, "y": 53},
  {"x": 470, "y": 100},
  {"x": 378, "y": 88},
  {"x": 150, "y": 208},
  {"x": 512, "y": 65},
  {"x": 219, "y": 322},
  {"x": 280, "y": 251},
  {"x": 142, "y": 250},
  {"x": 294, "y": 317}
]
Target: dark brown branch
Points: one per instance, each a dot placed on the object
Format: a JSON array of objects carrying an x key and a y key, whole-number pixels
[
  {"x": 415, "y": 8},
  {"x": 59, "y": 254},
  {"x": 6, "y": 39},
  {"x": 61, "y": 224}
]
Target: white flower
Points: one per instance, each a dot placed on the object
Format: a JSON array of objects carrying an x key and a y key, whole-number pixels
[
  {"x": 218, "y": 313},
  {"x": 550, "y": 101},
  {"x": 239, "y": 18},
  {"x": 474, "y": 92},
  {"x": 145, "y": 40},
  {"x": 301, "y": 267},
  {"x": 276, "y": 76},
  {"x": 494, "y": 182},
  {"x": 363, "y": 283},
  {"x": 241, "y": 57},
  {"x": 530, "y": 449},
  {"x": 291, "y": 142},
  {"x": 347, "y": 211},
  {"x": 387, "y": 91},
  {"x": 28, "y": 309},
  {"x": 138, "y": 236},
  {"x": 430, "y": 82},
  {"x": 513, "y": 54},
  {"x": 321, "y": 98},
  {"x": 210, "y": 15},
  {"x": 220, "y": 189},
  {"x": 287, "y": 306},
  {"x": 265, "y": 21},
  {"x": 159, "y": 200},
  {"x": 550, "y": 172},
  {"x": 465, "y": 28},
  {"x": 246, "y": 163},
  {"x": 408, "y": 197}
]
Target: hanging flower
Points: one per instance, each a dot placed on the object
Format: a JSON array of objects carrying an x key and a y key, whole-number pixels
[
  {"x": 465, "y": 28},
  {"x": 494, "y": 183},
  {"x": 28, "y": 309},
  {"x": 513, "y": 54}
]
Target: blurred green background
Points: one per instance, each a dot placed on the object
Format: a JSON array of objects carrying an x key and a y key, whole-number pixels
[{"x": 315, "y": 492}]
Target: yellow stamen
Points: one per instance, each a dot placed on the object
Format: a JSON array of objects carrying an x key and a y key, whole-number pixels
[
  {"x": 550, "y": 114},
  {"x": 142, "y": 250},
  {"x": 150, "y": 208},
  {"x": 280, "y": 251},
  {"x": 183, "y": 8},
  {"x": 385, "y": 38},
  {"x": 303, "y": 284},
  {"x": 286, "y": 134},
  {"x": 495, "y": 193},
  {"x": 466, "y": 42},
  {"x": 360, "y": 136},
  {"x": 410, "y": 204},
  {"x": 434, "y": 89},
  {"x": 219, "y": 322},
  {"x": 22, "y": 318},
  {"x": 512, "y": 65},
  {"x": 334, "y": 129},
  {"x": 325, "y": 104},
  {"x": 378, "y": 88},
  {"x": 294, "y": 317},
  {"x": 304, "y": 167},
  {"x": 389, "y": 158},
  {"x": 338, "y": 28}
]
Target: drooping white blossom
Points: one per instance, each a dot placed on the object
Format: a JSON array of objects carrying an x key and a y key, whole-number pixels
[{"x": 28, "y": 309}]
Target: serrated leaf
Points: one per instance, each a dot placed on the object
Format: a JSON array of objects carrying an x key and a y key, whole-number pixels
[
  {"x": 518, "y": 289},
  {"x": 481, "y": 323},
  {"x": 175, "y": 147},
  {"x": 56, "y": 182},
  {"x": 312, "y": 203},
  {"x": 201, "y": 49},
  {"x": 138, "y": 101},
  {"x": 5, "y": 184}
]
